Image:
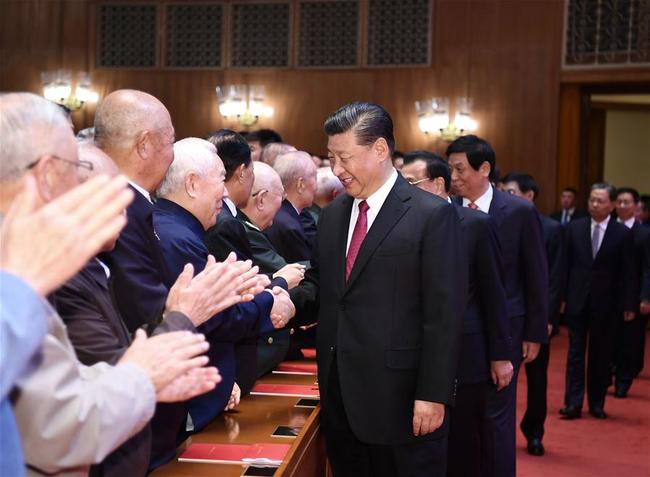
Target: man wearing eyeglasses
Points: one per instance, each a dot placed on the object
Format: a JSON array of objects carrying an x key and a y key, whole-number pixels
[{"x": 485, "y": 347}]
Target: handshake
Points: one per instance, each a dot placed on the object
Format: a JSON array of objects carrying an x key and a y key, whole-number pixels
[{"x": 221, "y": 285}]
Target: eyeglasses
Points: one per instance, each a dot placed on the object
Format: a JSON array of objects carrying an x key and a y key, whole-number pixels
[
  {"x": 414, "y": 182},
  {"x": 83, "y": 164},
  {"x": 282, "y": 194}
]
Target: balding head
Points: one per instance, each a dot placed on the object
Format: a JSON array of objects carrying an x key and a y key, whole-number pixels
[
  {"x": 298, "y": 174},
  {"x": 328, "y": 186},
  {"x": 266, "y": 196},
  {"x": 100, "y": 161},
  {"x": 135, "y": 129},
  {"x": 195, "y": 180},
  {"x": 271, "y": 151},
  {"x": 35, "y": 137}
]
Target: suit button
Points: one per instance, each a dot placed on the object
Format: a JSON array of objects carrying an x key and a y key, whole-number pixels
[
  {"x": 332, "y": 348},
  {"x": 342, "y": 306},
  {"x": 292, "y": 331},
  {"x": 270, "y": 340}
]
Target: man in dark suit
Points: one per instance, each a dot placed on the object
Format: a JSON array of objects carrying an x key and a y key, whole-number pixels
[
  {"x": 98, "y": 333},
  {"x": 628, "y": 357},
  {"x": 298, "y": 174},
  {"x": 257, "y": 216},
  {"x": 519, "y": 231},
  {"x": 568, "y": 212},
  {"x": 600, "y": 286},
  {"x": 485, "y": 347},
  {"x": 389, "y": 273},
  {"x": 188, "y": 204},
  {"x": 522, "y": 185},
  {"x": 136, "y": 131},
  {"x": 229, "y": 234}
]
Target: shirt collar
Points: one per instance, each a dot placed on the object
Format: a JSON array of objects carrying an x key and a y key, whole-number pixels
[
  {"x": 107, "y": 270},
  {"x": 142, "y": 191},
  {"x": 629, "y": 223},
  {"x": 602, "y": 224},
  {"x": 231, "y": 206},
  {"x": 377, "y": 198},
  {"x": 482, "y": 202}
]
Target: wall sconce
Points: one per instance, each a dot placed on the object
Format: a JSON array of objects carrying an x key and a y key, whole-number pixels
[
  {"x": 57, "y": 87},
  {"x": 433, "y": 117},
  {"x": 246, "y": 103}
]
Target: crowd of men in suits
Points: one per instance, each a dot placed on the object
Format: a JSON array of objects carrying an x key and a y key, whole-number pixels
[{"x": 423, "y": 290}]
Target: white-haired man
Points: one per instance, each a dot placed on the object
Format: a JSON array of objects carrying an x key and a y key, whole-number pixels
[
  {"x": 135, "y": 130},
  {"x": 189, "y": 201},
  {"x": 287, "y": 234},
  {"x": 328, "y": 187},
  {"x": 71, "y": 415}
]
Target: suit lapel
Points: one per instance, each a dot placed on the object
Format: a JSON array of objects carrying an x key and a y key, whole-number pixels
[
  {"x": 497, "y": 208},
  {"x": 340, "y": 229},
  {"x": 390, "y": 213},
  {"x": 585, "y": 238},
  {"x": 606, "y": 238}
]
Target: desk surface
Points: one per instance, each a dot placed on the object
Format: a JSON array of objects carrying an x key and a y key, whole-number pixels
[{"x": 253, "y": 421}]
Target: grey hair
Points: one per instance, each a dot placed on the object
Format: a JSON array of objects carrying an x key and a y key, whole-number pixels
[
  {"x": 123, "y": 115},
  {"x": 327, "y": 181},
  {"x": 611, "y": 190},
  {"x": 368, "y": 121},
  {"x": 190, "y": 155},
  {"x": 28, "y": 125},
  {"x": 291, "y": 165},
  {"x": 271, "y": 151}
]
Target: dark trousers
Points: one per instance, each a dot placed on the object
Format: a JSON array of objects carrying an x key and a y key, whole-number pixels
[
  {"x": 532, "y": 424},
  {"x": 499, "y": 447},
  {"x": 629, "y": 352},
  {"x": 465, "y": 430},
  {"x": 348, "y": 456},
  {"x": 599, "y": 330}
]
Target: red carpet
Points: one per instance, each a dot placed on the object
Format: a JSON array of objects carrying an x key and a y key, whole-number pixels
[{"x": 615, "y": 447}]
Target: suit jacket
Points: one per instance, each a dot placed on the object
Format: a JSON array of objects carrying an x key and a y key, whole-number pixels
[
  {"x": 139, "y": 278},
  {"x": 645, "y": 273},
  {"x": 554, "y": 242},
  {"x": 603, "y": 285},
  {"x": 181, "y": 240},
  {"x": 70, "y": 415},
  {"x": 641, "y": 261},
  {"x": 394, "y": 326},
  {"x": 228, "y": 235},
  {"x": 98, "y": 333},
  {"x": 486, "y": 329},
  {"x": 524, "y": 258},
  {"x": 577, "y": 214},
  {"x": 140, "y": 284},
  {"x": 287, "y": 235},
  {"x": 308, "y": 222}
]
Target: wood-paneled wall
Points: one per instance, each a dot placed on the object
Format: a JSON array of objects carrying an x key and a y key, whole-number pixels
[{"x": 503, "y": 53}]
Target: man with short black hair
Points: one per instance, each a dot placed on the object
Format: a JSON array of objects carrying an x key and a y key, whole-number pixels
[
  {"x": 600, "y": 287},
  {"x": 569, "y": 211},
  {"x": 519, "y": 231},
  {"x": 389, "y": 274},
  {"x": 485, "y": 348},
  {"x": 629, "y": 351},
  {"x": 523, "y": 185},
  {"x": 260, "y": 138}
]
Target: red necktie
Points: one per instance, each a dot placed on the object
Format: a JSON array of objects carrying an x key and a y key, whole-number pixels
[
  {"x": 472, "y": 206},
  {"x": 359, "y": 233}
]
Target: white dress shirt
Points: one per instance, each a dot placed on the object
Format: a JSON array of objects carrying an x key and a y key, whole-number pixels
[
  {"x": 375, "y": 202},
  {"x": 629, "y": 223},
  {"x": 483, "y": 202},
  {"x": 603, "y": 227},
  {"x": 231, "y": 206},
  {"x": 142, "y": 191}
]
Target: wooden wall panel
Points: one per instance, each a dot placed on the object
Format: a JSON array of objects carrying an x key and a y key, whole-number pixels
[{"x": 510, "y": 50}]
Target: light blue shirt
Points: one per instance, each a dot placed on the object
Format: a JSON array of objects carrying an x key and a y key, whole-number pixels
[{"x": 23, "y": 325}]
